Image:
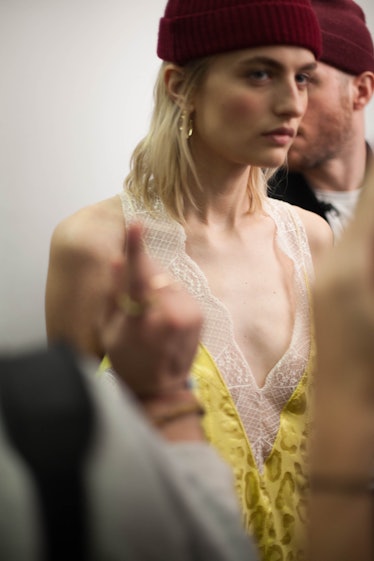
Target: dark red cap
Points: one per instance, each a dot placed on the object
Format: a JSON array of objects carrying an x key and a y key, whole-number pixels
[
  {"x": 346, "y": 41},
  {"x": 193, "y": 29}
]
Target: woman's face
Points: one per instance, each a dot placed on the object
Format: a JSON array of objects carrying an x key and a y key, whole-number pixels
[{"x": 250, "y": 104}]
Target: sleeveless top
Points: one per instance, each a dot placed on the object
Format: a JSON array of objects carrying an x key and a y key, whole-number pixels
[{"x": 261, "y": 432}]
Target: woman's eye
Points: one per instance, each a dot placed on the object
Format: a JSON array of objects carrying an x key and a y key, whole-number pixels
[
  {"x": 303, "y": 79},
  {"x": 259, "y": 75}
]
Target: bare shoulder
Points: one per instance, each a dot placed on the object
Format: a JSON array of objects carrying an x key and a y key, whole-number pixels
[
  {"x": 92, "y": 231},
  {"x": 318, "y": 232},
  {"x": 80, "y": 282}
]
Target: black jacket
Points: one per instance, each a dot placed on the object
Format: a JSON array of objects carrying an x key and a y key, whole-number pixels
[{"x": 294, "y": 189}]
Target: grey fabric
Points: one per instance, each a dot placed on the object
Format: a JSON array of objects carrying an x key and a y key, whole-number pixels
[
  {"x": 179, "y": 498},
  {"x": 148, "y": 500}
]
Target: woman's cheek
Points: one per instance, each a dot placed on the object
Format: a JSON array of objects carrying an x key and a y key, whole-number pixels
[{"x": 242, "y": 106}]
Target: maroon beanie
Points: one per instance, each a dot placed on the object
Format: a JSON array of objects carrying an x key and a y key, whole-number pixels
[
  {"x": 347, "y": 42},
  {"x": 192, "y": 29}
]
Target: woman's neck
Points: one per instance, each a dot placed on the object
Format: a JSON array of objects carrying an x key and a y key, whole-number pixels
[{"x": 223, "y": 197}]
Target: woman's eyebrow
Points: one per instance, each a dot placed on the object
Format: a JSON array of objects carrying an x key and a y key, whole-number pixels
[
  {"x": 273, "y": 63},
  {"x": 309, "y": 66}
]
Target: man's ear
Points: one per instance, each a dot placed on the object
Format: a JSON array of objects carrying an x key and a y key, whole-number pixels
[
  {"x": 363, "y": 90},
  {"x": 174, "y": 77}
]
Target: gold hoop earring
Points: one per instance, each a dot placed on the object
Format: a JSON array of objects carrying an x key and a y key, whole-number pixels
[
  {"x": 190, "y": 128},
  {"x": 186, "y": 130}
]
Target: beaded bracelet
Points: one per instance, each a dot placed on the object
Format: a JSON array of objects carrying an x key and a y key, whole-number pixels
[{"x": 178, "y": 412}]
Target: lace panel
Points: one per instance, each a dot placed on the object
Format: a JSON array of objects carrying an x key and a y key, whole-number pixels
[{"x": 259, "y": 408}]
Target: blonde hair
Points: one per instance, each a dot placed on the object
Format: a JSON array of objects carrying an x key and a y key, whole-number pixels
[{"x": 161, "y": 166}]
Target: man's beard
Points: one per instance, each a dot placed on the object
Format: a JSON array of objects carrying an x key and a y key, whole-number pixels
[{"x": 333, "y": 134}]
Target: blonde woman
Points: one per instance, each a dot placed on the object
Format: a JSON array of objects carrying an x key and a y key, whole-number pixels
[{"x": 230, "y": 95}]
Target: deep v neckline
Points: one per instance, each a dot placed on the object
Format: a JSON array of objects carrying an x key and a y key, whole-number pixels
[
  {"x": 259, "y": 408},
  {"x": 226, "y": 316}
]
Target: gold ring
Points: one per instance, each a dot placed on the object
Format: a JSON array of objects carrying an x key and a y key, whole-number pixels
[{"x": 131, "y": 307}]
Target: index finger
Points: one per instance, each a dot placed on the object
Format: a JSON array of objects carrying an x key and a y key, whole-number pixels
[{"x": 140, "y": 267}]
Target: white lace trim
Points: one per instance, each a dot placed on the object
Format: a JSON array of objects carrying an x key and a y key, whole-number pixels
[{"x": 259, "y": 408}]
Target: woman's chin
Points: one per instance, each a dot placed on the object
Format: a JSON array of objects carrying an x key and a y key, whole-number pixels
[{"x": 272, "y": 162}]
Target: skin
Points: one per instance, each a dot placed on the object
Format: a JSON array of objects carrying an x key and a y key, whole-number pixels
[
  {"x": 156, "y": 372},
  {"x": 169, "y": 314},
  {"x": 343, "y": 445},
  {"x": 247, "y": 94},
  {"x": 329, "y": 149},
  {"x": 257, "y": 97}
]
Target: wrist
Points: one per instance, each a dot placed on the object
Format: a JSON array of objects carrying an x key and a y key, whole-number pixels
[
  {"x": 178, "y": 416},
  {"x": 177, "y": 412}
]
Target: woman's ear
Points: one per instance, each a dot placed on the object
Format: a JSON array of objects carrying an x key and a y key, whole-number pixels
[{"x": 174, "y": 78}]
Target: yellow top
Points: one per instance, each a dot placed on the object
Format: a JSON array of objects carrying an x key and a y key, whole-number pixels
[
  {"x": 273, "y": 501},
  {"x": 271, "y": 496}
]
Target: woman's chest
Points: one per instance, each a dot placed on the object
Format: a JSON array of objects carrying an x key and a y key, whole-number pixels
[{"x": 256, "y": 287}]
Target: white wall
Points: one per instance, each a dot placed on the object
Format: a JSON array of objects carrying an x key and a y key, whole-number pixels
[{"x": 75, "y": 97}]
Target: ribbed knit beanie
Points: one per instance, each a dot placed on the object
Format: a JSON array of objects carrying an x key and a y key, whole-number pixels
[
  {"x": 347, "y": 42},
  {"x": 192, "y": 29}
]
